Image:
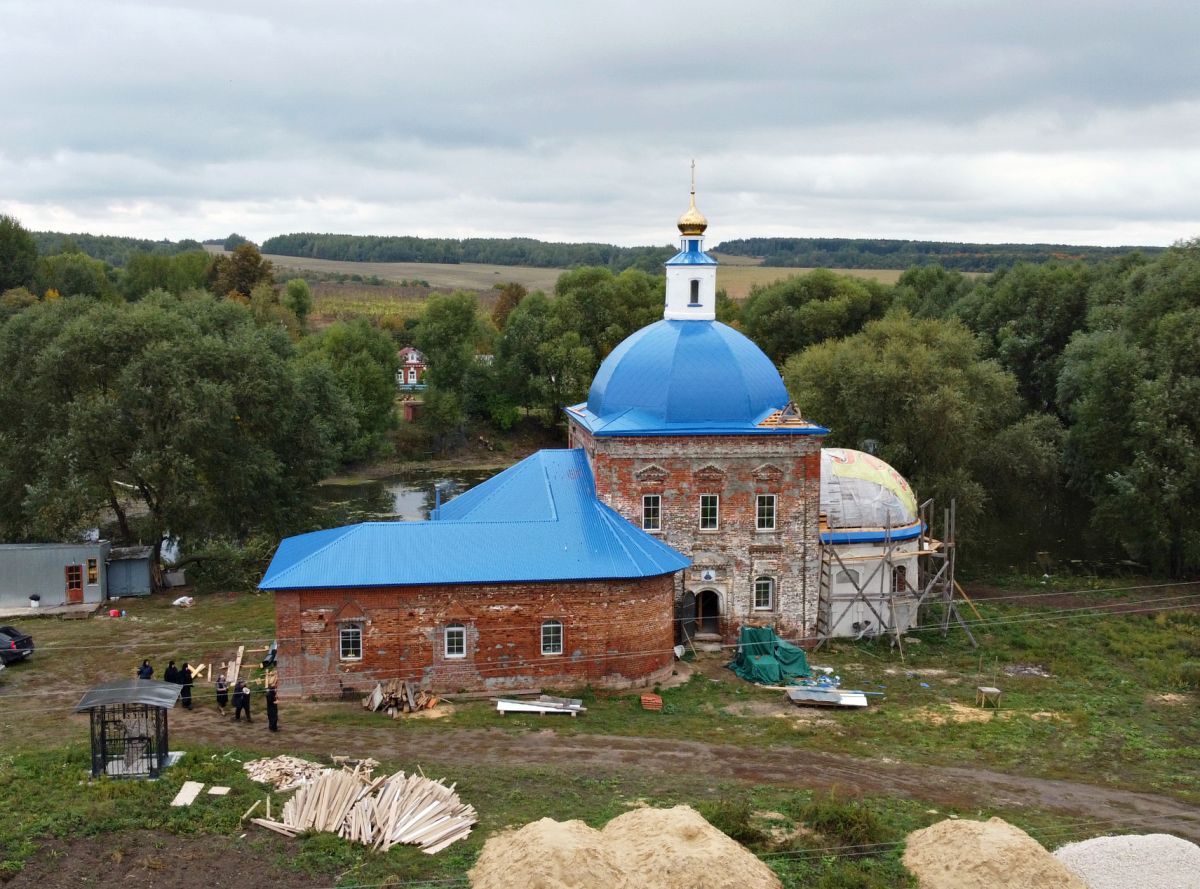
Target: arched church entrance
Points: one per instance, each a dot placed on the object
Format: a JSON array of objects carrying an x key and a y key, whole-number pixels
[{"x": 708, "y": 612}]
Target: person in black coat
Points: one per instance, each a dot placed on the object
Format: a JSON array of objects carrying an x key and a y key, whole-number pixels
[
  {"x": 171, "y": 674},
  {"x": 145, "y": 671},
  {"x": 222, "y": 694},
  {"x": 241, "y": 701},
  {"x": 185, "y": 680},
  {"x": 272, "y": 710}
]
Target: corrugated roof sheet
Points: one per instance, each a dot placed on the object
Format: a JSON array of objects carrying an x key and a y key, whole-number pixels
[
  {"x": 537, "y": 521},
  {"x": 130, "y": 691}
]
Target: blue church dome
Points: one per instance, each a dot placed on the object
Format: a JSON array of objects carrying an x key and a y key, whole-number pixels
[{"x": 694, "y": 375}]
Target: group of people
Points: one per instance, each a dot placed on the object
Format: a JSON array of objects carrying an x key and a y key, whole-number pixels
[{"x": 241, "y": 692}]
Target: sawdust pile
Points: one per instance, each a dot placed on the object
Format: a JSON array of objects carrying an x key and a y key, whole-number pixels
[
  {"x": 962, "y": 854},
  {"x": 1149, "y": 861},
  {"x": 643, "y": 849}
]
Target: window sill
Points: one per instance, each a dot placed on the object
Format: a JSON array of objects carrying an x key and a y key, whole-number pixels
[
  {"x": 454, "y": 657},
  {"x": 551, "y": 654}
]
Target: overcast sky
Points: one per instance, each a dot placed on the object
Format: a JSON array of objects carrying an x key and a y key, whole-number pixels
[{"x": 971, "y": 121}]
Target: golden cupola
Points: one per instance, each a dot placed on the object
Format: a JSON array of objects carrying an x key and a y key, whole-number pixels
[{"x": 692, "y": 222}]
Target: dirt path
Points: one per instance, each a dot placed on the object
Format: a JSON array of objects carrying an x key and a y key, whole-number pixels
[{"x": 962, "y": 788}]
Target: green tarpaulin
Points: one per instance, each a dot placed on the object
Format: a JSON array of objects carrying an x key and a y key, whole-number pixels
[{"x": 765, "y": 659}]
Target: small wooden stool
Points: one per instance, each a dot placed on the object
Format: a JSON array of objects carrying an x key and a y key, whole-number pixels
[{"x": 988, "y": 696}]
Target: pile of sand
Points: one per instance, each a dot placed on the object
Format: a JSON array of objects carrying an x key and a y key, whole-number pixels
[
  {"x": 1150, "y": 861},
  {"x": 960, "y": 854},
  {"x": 643, "y": 849}
]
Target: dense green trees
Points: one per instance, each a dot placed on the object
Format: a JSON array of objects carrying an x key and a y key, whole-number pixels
[
  {"x": 174, "y": 273},
  {"x": 297, "y": 297},
  {"x": 1130, "y": 389},
  {"x": 363, "y": 360},
  {"x": 801, "y": 311},
  {"x": 179, "y": 415},
  {"x": 495, "y": 251},
  {"x": 881, "y": 253},
  {"x": 918, "y": 393},
  {"x": 240, "y": 272},
  {"x": 18, "y": 255},
  {"x": 74, "y": 274}
]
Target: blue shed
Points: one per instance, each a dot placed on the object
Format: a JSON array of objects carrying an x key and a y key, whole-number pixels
[{"x": 129, "y": 571}]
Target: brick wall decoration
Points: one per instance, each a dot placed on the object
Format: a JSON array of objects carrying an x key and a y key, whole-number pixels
[{"x": 737, "y": 468}]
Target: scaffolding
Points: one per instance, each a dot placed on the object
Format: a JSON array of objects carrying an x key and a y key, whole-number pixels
[{"x": 887, "y": 591}]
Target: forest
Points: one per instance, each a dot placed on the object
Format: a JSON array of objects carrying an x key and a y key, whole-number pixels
[
  {"x": 882, "y": 253},
  {"x": 1058, "y": 403}
]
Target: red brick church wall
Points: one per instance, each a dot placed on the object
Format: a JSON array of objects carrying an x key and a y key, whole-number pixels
[{"x": 616, "y": 633}]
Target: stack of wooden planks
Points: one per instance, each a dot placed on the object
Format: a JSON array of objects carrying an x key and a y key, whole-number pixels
[
  {"x": 542, "y": 705},
  {"x": 377, "y": 812},
  {"x": 284, "y": 772},
  {"x": 398, "y": 696}
]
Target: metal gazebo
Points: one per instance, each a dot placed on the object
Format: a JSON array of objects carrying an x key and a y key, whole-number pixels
[{"x": 129, "y": 726}]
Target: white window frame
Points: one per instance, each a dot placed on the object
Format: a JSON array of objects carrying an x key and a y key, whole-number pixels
[
  {"x": 460, "y": 632},
  {"x": 552, "y": 625},
  {"x": 355, "y": 630},
  {"x": 759, "y": 502},
  {"x": 412, "y": 375},
  {"x": 769, "y": 582},
  {"x": 646, "y": 525},
  {"x": 716, "y": 516}
]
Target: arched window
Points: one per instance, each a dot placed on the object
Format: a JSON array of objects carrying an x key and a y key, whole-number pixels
[
  {"x": 552, "y": 637},
  {"x": 695, "y": 293},
  {"x": 456, "y": 640},
  {"x": 764, "y": 593},
  {"x": 900, "y": 579},
  {"x": 849, "y": 575}
]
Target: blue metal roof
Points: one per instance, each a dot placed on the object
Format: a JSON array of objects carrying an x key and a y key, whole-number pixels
[
  {"x": 694, "y": 377},
  {"x": 537, "y": 521},
  {"x": 691, "y": 257},
  {"x": 872, "y": 535}
]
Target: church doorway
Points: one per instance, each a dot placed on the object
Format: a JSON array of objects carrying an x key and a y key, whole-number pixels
[{"x": 708, "y": 611}]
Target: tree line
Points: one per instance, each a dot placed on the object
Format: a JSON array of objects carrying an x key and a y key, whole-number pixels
[
  {"x": 883, "y": 253},
  {"x": 1058, "y": 404},
  {"x": 491, "y": 251},
  {"x": 181, "y": 397}
]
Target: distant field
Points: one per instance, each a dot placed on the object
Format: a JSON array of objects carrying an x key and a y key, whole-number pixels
[
  {"x": 737, "y": 274},
  {"x": 441, "y": 276}
]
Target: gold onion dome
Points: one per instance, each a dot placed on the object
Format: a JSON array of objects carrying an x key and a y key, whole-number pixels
[{"x": 692, "y": 222}]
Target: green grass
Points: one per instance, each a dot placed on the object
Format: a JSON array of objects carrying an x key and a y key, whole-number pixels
[
  {"x": 1117, "y": 710},
  {"x": 61, "y": 802}
]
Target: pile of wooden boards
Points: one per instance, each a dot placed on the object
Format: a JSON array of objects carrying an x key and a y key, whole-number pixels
[
  {"x": 283, "y": 772},
  {"x": 542, "y": 705},
  {"x": 651, "y": 701},
  {"x": 396, "y": 697},
  {"x": 380, "y": 812}
]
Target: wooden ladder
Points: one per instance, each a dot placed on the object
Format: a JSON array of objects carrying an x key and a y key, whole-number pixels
[{"x": 825, "y": 596}]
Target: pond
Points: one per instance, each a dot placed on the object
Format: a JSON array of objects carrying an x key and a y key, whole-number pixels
[{"x": 408, "y": 496}]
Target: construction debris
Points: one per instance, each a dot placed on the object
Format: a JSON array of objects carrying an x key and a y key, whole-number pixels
[
  {"x": 187, "y": 793},
  {"x": 218, "y": 791},
  {"x": 398, "y": 696},
  {"x": 284, "y": 772},
  {"x": 651, "y": 702},
  {"x": 380, "y": 812},
  {"x": 542, "y": 704}
]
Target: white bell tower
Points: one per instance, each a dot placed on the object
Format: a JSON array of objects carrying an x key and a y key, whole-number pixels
[{"x": 691, "y": 273}]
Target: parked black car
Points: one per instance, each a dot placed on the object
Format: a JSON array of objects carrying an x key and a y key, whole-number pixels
[{"x": 14, "y": 645}]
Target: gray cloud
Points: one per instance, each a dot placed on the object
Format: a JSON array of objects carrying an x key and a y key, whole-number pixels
[{"x": 966, "y": 121}]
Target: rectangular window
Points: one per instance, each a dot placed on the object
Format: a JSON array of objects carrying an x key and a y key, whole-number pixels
[
  {"x": 765, "y": 513},
  {"x": 764, "y": 593},
  {"x": 93, "y": 572},
  {"x": 350, "y": 642},
  {"x": 710, "y": 505},
  {"x": 552, "y": 637},
  {"x": 456, "y": 641},
  {"x": 652, "y": 512}
]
